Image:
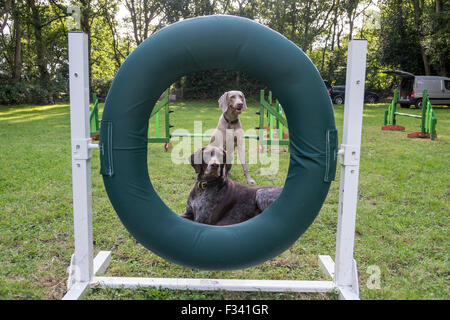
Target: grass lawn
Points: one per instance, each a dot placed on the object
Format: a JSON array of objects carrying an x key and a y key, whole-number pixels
[{"x": 401, "y": 227}]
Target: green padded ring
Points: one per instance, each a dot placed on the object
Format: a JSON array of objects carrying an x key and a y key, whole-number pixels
[{"x": 217, "y": 42}]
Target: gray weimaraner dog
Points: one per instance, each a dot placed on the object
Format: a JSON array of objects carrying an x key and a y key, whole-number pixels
[
  {"x": 218, "y": 200},
  {"x": 228, "y": 133}
]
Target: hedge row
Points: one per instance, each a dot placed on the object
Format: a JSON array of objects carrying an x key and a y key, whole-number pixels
[
  {"x": 204, "y": 85},
  {"x": 212, "y": 84}
]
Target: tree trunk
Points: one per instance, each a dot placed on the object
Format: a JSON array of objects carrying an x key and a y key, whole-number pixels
[
  {"x": 111, "y": 22},
  {"x": 351, "y": 7},
  {"x": 40, "y": 47},
  {"x": 442, "y": 56},
  {"x": 324, "y": 51},
  {"x": 350, "y": 26},
  {"x": 18, "y": 32},
  {"x": 131, "y": 8},
  {"x": 426, "y": 64},
  {"x": 335, "y": 21},
  {"x": 418, "y": 7},
  {"x": 142, "y": 13}
]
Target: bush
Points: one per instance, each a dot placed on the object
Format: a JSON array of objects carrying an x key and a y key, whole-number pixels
[
  {"x": 21, "y": 92},
  {"x": 211, "y": 84},
  {"x": 15, "y": 93},
  {"x": 100, "y": 87}
]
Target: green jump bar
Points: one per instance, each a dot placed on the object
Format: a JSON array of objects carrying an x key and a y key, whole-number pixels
[{"x": 281, "y": 142}]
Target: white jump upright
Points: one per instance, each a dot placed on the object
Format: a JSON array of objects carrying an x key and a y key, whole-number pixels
[
  {"x": 84, "y": 270},
  {"x": 345, "y": 270},
  {"x": 80, "y": 273},
  {"x": 81, "y": 268}
]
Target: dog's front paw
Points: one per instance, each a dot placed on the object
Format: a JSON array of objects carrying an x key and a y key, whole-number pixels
[
  {"x": 250, "y": 181},
  {"x": 188, "y": 216}
]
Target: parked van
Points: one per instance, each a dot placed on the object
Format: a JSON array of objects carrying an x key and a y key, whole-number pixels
[{"x": 411, "y": 88}]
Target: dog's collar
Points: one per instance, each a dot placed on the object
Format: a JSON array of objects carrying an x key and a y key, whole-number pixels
[
  {"x": 202, "y": 184},
  {"x": 231, "y": 121}
]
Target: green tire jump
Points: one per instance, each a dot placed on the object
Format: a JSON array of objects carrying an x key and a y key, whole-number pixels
[{"x": 204, "y": 43}]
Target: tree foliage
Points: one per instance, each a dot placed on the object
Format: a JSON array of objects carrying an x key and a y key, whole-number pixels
[{"x": 412, "y": 35}]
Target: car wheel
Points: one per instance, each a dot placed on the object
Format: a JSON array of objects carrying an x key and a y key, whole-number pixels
[
  {"x": 418, "y": 104},
  {"x": 339, "y": 100}
]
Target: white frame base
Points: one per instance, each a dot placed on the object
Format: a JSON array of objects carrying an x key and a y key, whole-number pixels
[
  {"x": 85, "y": 271},
  {"x": 103, "y": 259}
]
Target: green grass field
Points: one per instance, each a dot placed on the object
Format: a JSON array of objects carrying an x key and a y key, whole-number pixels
[{"x": 401, "y": 227}]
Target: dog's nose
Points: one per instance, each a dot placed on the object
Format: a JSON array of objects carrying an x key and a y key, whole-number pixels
[
  {"x": 214, "y": 165},
  {"x": 239, "y": 105}
]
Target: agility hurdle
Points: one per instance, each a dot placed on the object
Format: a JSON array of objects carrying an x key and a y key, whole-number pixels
[
  {"x": 273, "y": 112},
  {"x": 154, "y": 135},
  {"x": 270, "y": 112},
  {"x": 94, "y": 120},
  {"x": 85, "y": 270},
  {"x": 161, "y": 107},
  {"x": 428, "y": 118}
]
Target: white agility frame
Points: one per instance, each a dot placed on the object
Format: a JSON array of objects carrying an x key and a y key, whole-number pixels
[{"x": 85, "y": 270}]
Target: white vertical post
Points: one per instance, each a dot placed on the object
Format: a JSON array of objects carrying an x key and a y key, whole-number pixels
[
  {"x": 82, "y": 264},
  {"x": 345, "y": 268}
]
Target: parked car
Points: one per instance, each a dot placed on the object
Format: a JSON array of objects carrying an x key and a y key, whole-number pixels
[
  {"x": 327, "y": 84},
  {"x": 411, "y": 89},
  {"x": 337, "y": 95}
]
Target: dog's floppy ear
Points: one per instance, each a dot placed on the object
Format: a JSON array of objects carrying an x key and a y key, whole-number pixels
[
  {"x": 223, "y": 102},
  {"x": 244, "y": 107},
  {"x": 196, "y": 160},
  {"x": 226, "y": 167}
]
